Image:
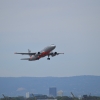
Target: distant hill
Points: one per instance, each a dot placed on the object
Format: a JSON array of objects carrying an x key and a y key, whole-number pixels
[{"x": 79, "y": 85}]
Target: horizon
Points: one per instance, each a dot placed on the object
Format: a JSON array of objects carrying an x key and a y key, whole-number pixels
[{"x": 50, "y": 76}]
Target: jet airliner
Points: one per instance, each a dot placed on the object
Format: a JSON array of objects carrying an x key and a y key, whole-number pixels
[{"x": 47, "y": 51}]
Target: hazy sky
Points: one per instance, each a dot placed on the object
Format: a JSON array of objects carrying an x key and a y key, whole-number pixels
[{"x": 72, "y": 25}]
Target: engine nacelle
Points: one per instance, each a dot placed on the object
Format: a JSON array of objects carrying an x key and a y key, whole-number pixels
[
  {"x": 38, "y": 53},
  {"x": 54, "y": 54}
]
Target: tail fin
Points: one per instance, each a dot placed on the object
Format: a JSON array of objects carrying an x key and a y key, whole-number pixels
[{"x": 29, "y": 51}]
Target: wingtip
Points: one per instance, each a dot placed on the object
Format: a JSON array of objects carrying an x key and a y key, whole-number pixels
[
  {"x": 15, "y": 52},
  {"x": 62, "y": 53}
]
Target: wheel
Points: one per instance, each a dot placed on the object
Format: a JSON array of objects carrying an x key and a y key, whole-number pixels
[{"x": 48, "y": 58}]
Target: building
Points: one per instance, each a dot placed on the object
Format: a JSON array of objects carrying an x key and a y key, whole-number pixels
[
  {"x": 27, "y": 95},
  {"x": 38, "y": 97},
  {"x": 60, "y": 93},
  {"x": 52, "y": 92}
]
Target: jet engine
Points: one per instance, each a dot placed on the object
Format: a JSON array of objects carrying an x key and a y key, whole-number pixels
[
  {"x": 54, "y": 54},
  {"x": 38, "y": 53}
]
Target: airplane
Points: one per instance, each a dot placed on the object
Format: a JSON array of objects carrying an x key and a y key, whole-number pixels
[{"x": 47, "y": 51}]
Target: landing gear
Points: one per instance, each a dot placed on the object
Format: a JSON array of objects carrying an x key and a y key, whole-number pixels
[{"x": 48, "y": 58}]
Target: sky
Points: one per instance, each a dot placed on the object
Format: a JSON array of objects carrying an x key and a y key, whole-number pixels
[{"x": 72, "y": 25}]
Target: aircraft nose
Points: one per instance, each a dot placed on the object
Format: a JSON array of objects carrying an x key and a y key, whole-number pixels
[{"x": 53, "y": 46}]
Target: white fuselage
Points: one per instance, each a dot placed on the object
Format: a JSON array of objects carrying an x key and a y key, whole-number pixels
[{"x": 42, "y": 53}]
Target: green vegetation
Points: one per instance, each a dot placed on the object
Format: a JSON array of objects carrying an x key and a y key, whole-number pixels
[{"x": 84, "y": 97}]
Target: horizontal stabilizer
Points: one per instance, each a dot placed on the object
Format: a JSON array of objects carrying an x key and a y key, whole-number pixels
[{"x": 25, "y": 59}]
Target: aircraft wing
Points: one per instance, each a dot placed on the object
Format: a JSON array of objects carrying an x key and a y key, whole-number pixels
[
  {"x": 26, "y": 53},
  {"x": 54, "y": 53},
  {"x": 59, "y": 53}
]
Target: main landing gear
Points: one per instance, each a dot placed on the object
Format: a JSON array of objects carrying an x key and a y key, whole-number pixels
[{"x": 48, "y": 58}]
